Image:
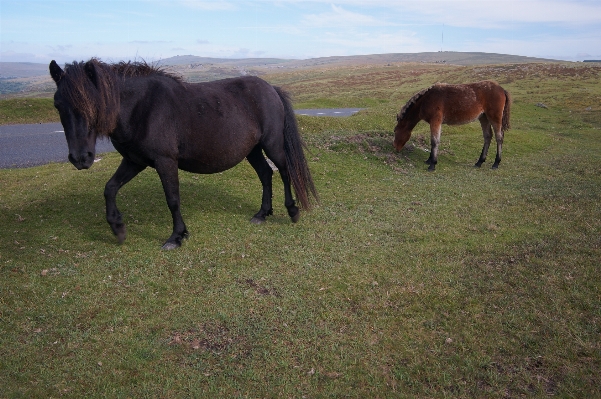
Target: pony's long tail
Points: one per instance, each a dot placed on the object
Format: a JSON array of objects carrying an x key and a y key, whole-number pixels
[
  {"x": 298, "y": 169},
  {"x": 505, "y": 125}
]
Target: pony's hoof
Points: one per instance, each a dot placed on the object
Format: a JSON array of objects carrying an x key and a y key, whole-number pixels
[
  {"x": 495, "y": 166},
  {"x": 119, "y": 231},
  {"x": 256, "y": 220},
  {"x": 432, "y": 168},
  {"x": 294, "y": 213},
  {"x": 477, "y": 164},
  {"x": 168, "y": 246}
]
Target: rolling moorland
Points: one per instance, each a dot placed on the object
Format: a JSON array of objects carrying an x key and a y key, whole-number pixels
[
  {"x": 464, "y": 282},
  {"x": 32, "y": 80}
]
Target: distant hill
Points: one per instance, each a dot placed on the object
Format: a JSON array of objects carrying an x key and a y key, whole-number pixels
[
  {"x": 192, "y": 59},
  {"x": 22, "y": 69},
  {"x": 29, "y": 69},
  {"x": 449, "y": 57},
  {"x": 24, "y": 78}
]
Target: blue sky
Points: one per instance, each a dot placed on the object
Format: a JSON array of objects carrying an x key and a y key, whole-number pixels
[{"x": 42, "y": 30}]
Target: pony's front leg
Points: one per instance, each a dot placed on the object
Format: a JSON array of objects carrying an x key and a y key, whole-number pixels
[
  {"x": 168, "y": 173},
  {"x": 435, "y": 129},
  {"x": 125, "y": 172}
]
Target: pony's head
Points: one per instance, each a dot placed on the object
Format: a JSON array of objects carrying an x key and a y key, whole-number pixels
[
  {"x": 402, "y": 133},
  {"x": 407, "y": 119},
  {"x": 88, "y": 105}
]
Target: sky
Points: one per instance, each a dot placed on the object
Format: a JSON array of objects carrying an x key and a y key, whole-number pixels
[{"x": 76, "y": 30}]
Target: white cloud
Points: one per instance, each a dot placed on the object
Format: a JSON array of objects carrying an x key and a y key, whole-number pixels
[
  {"x": 499, "y": 14},
  {"x": 339, "y": 17},
  {"x": 13, "y": 56},
  {"x": 461, "y": 13},
  {"x": 368, "y": 43},
  {"x": 209, "y": 5}
]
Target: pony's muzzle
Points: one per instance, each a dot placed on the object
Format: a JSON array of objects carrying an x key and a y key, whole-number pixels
[
  {"x": 400, "y": 138},
  {"x": 398, "y": 145},
  {"x": 82, "y": 161}
]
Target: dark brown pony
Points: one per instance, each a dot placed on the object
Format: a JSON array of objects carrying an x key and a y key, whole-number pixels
[
  {"x": 455, "y": 105},
  {"x": 154, "y": 119}
]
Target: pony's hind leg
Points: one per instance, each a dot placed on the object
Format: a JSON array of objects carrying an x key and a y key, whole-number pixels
[
  {"x": 125, "y": 172},
  {"x": 279, "y": 159},
  {"x": 435, "y": 130},
  {"x": 499, "y": 134},
  {"x": 293, "y": 210},
  {"x": 265, "y": 173},
  {"x": 487, "y": 133}
]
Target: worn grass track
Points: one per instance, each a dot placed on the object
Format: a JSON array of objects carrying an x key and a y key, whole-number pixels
[{"x": 402, "y": 283}]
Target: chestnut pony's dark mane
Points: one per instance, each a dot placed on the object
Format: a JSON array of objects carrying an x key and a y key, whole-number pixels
[
  {"x": 92, "y": 88},
  {"x": 412, "y": 101}
]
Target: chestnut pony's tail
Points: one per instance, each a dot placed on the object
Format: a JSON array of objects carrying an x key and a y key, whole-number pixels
[{"x": 505, "y": 125}]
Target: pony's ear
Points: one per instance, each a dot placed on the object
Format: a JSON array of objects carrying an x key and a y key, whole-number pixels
[
  {"x": 90, "y": 70},
  {"x": 56, "y": 72}
]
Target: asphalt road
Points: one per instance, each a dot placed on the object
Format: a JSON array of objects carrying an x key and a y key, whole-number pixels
[
  {"x": 24, "y": 146},
  {"x": 328, "y": 112}
]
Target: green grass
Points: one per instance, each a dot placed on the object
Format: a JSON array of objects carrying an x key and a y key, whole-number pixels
[
  {"x": 27, "y": 110},
  {"x": 403, "y": 283}
]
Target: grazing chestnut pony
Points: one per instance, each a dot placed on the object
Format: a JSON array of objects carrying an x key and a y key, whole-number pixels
[
  {"x": 455, "y": 105},
  {"x": 154, "y": 119}
]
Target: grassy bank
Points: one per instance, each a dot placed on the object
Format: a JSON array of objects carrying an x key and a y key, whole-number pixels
[
  {"x": 27, "y": 110},
  {"x": 402, "y": 283}
]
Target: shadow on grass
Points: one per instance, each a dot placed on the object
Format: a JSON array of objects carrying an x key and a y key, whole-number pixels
[{"x": 74, "y": 208}]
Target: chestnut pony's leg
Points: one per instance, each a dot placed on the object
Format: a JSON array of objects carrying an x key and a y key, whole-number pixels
[
  {"x": 487, "y": 133},
  {"x": 435, "y": 130}
]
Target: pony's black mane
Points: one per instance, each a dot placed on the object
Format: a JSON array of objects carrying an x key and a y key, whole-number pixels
[
  {"x": 92, "y": 88},
  {"x": 131, "y": 69}
]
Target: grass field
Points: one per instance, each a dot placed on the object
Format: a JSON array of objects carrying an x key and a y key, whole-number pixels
[
  {"x": 27, "y": 110},
  {"x": 464, "y": 282}
]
